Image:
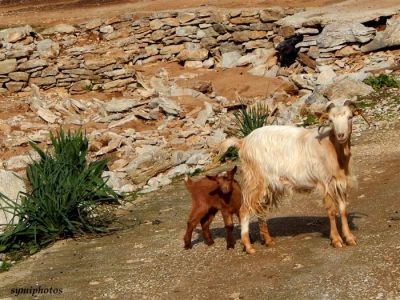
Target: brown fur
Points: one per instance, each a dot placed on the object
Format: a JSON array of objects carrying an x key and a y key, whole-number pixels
[{"x": 209, "y": 195}]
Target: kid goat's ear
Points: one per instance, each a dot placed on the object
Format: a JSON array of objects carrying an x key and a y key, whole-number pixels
[
  {"x": 233, "y": 171},
  {"x": 211, "y": 177}
]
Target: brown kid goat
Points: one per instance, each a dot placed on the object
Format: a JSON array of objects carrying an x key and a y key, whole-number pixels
[{"x": 209, "y": 195}]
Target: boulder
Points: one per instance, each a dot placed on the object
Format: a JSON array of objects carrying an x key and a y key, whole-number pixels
[
  {"x": 193, "y": 54},
  {"x": 94, "y": 63},
  {"x": 8, "y": 66},
  {"x": 172, "y": 49},
  {"x": 81, "y": 86},
  {"x": 204, "y": 114},
  {"x": 41, "y": 81},
  {"x": 246, "y": 35},
  {"x": 346, "y": 88},
  {"x": 19, "y": 76},
  {"x": 48, "y": 48},
  {"x": 390, "y": 37},
  {"x": 326, "y": 76},
  {"x": 272, "y": 14},
  {"x": 186, "y": 30},
  {"x": 120, "y": 105},
  {"x": 10, "y": 186},
  {"x": 193, "y": 64},
  {"x": 93, "y": 23},
  {"x": 230, "y": 59},
  {"x": 59, "y": 28},
  {"x": 32, "y": 64},
  {"x": 149, "y": 162},
  {"x": 14, "y": 87},
  {"x": 12, "y": 35},
  {"x": 341, "y": 33},
  {"x": 166, "y": 105}
]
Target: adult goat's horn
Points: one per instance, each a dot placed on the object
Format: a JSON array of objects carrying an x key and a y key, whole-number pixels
[{"x": 365, "y": 118}]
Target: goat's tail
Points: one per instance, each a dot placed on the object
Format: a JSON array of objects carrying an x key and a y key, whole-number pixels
[{"x": 231, "y": 142}]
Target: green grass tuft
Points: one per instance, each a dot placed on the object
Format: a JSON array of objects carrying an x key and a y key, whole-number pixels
[
  {"x": 196, "y": 172},
  {"x": 65, "y": 188},
  {"x": 382, "y": 80},
  {"x": 88, "y": 87},
  {"x": 231, "y": 154},
  {"x": 310, "y": 119}
]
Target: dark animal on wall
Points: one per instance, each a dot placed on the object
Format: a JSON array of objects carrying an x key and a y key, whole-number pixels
[{"x": 287, "y": 52}]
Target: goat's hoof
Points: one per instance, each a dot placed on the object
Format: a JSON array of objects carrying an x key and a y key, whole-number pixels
[
  {"x": 337, "y": 244},
  {"x": 250, "y": 250},
  {"x": 230, "y": 246},
  {"x": 270, "y": 243},
  {"x": 351, "y": 242},
  {"x": 210, "y": 242},
  {"x": 187, "y": 247}
]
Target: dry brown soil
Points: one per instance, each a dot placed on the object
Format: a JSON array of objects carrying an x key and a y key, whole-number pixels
[
  {"x": 37, "y": 12},
  {"x": 148, "y": 261}
]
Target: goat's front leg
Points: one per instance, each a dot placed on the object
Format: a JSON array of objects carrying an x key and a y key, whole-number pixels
[
  {"x": 262, "y": 225},
  {"x": 337, "y": 241},
  {"x": 230, "y": 241},
  {"x": 348, "y": 236},
  {"x": 244, "y": 224}
]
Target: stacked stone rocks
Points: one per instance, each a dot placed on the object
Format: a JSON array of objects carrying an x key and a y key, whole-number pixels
[{"x": 101, "y": 54}]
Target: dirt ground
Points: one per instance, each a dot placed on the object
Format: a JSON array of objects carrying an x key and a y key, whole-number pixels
[
  {"x": 37, "y": 12},
  {"x": 147, "y": 261}
]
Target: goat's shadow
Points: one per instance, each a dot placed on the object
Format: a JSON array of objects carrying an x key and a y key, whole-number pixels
[{"x": 284, "y": 226}]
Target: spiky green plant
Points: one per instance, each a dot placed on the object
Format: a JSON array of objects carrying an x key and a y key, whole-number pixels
[
  {"x": 248, "y": 119},
  {"x": 64, "y": 189}
]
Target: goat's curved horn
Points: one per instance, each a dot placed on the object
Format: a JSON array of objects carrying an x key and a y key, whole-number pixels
[
  {"x": 330, "y": 106},
  {"x": 365, "y": 119}
]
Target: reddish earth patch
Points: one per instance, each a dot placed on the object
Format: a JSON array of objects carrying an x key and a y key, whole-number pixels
[{"x": 36, "y": 12}]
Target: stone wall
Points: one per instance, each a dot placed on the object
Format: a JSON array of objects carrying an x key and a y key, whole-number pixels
[{"x": 101, "y": 54}]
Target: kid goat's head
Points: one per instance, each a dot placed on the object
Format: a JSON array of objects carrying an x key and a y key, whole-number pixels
[{"x": 224, "y": 180}]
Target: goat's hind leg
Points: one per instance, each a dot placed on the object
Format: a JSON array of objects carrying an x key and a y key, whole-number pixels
[
  {"x": 262, "y": 225},
  {"x": 194, "y": 218},
  {"x": 244, "y": 224}
]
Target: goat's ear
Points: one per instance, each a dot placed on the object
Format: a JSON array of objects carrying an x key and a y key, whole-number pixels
[
  {"x": 322, "y": 117},
  {"x": 357, "y": 111},
  {"x": 211, "y": 177},
  {"x": 349, "y": 103}
]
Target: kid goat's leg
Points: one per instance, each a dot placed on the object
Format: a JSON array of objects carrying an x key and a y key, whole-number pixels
[
  {"x": 230, "y": 241},
  {"x": 195, "y": 216},
  {"x": 205, "y": 225}
]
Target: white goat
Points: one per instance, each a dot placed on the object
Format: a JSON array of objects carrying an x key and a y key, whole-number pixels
[{"x": 276, "y": 160}]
